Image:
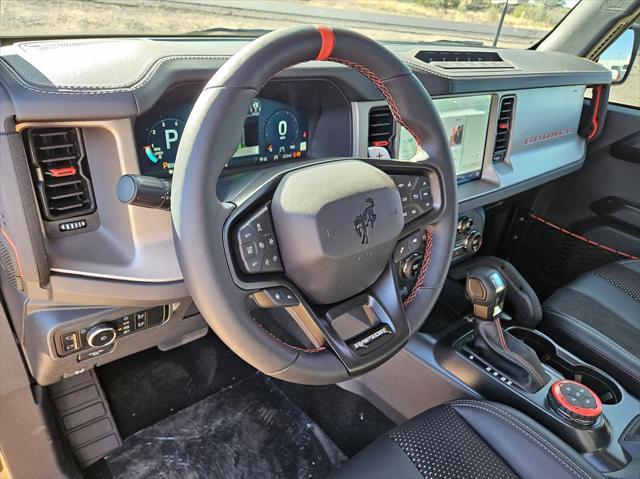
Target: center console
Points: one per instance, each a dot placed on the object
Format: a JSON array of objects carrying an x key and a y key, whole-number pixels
[{"x": 521, "y": 367}]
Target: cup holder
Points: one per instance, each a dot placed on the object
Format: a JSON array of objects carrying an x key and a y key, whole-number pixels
[{"x": 547, "y": 352}]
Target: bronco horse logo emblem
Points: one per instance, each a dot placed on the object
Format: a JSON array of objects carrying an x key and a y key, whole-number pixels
[{"x": 365, "y": 220}]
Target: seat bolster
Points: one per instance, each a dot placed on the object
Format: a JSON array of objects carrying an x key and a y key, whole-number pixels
[
  {"x": 381, "y": 460},
  {"x": 613, "y": 288},
  {"x": 528, "y": 448},
  {"x": 597, "y": 318}
]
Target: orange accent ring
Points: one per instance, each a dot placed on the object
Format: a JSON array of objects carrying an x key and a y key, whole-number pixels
[
  {"x": 557, "y": 393},
  {"x": 328, "y": 42}
]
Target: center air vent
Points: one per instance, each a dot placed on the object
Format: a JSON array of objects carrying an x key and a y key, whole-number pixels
[
  {"x": 60, "y": 172},
  {"x": 503, "y": 128},
  {"x": 380, "y": 127}
]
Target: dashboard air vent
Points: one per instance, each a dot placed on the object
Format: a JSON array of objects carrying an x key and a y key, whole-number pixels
[
  {"x": 503, "y": 128},
  {"x": 60, "y": 172},
  {"x": 380, "y": 127}
]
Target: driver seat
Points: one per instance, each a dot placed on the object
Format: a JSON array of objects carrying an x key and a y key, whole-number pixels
[{"x": 468, "y": 438}]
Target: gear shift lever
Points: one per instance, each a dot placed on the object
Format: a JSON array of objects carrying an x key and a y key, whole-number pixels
[{"x": 487, "y": 289}]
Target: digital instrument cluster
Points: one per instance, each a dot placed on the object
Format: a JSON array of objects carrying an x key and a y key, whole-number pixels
[{"x": 273, "y": 131}]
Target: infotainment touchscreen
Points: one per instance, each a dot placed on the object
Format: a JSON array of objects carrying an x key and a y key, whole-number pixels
[{"x": 465, "y": 121}]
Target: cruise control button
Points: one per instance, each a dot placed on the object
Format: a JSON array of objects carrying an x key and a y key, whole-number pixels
[
  {"x": 271, "y": 263},
  {"x": 253, "y": 266}
]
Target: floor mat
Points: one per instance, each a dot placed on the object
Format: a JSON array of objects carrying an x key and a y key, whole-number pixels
[
  {"x": 250, "y": 429},
  {"x": 149, "y": 386},
  {"x": 349, "y": 420}
]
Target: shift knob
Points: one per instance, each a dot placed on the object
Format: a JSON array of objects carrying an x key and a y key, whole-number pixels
[{"x": 486, "y": 289}]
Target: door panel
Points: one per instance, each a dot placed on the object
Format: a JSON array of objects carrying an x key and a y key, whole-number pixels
[{"x": 602, "y": 200}]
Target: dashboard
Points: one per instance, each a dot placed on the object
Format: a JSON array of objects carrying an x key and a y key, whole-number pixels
[
  {"x": 275, "y": 132},
  {"x": 82, "y": 257}
]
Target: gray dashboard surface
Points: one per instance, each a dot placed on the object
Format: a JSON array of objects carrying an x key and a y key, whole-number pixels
[{"x": 123, "y": 77}]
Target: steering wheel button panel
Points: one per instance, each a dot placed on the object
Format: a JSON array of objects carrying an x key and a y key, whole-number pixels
[
  {"x": 258, "y": 248},
  {"x": 415, "y": 195}
]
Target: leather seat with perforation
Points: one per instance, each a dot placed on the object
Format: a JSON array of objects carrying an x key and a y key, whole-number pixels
[
  {"x": 597, "y": 317},
  {"x": 468, "y": 438}
]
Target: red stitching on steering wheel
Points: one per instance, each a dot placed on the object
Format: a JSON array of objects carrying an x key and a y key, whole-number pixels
[
  {"x": 377, "y": 81},
  {"x": 423, "y": 268}
]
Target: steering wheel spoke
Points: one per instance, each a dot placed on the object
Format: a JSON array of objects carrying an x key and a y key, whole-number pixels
[{"x": 359, "y": 330}]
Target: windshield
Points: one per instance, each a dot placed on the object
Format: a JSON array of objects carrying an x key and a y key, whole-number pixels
[{"x": 520, "y": 24}]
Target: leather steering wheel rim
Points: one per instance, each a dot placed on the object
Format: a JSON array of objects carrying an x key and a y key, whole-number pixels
[{"x": 209, "y": 141}]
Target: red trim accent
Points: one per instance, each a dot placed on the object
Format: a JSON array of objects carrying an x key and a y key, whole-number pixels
[
  {"x": 328, "y": 42},
  {"x": 423, "y": 268},
  {"x": 62, "y": 172},
  {"x": 13, "y": 247},
  {"x": 582, "y": 238},
  {"x": 557, "y": 394},
  {"x": 596, "y": 108},
  {"x": 380, "y": 143}
]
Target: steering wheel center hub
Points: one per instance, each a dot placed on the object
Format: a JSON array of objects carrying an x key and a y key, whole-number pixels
[{"x": 338, "y": 223}]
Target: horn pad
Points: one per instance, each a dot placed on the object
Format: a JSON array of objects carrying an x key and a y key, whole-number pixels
[{"x": 337, "y": 225}]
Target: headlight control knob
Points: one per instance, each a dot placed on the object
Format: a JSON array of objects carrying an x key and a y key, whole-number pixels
[
  {"x": 101, "y": 334},
  {"x": 575, "y": 402}
]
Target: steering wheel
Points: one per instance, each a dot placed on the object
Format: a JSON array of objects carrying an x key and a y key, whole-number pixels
[{"x": 332, "y": 224}]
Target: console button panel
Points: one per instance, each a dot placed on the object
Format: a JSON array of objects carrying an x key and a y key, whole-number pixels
[{"x": 69, "y": 342}]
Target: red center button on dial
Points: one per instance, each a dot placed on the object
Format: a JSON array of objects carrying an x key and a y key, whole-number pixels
[{"x": 575, "y": 402}]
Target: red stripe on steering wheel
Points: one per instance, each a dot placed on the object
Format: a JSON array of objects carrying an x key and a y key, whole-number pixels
[{"x": 328, "y": 42}]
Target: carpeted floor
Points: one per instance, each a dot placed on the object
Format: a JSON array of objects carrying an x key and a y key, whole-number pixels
[
  {"x": 157, "y": 394},
  {"x": 250, "y": 429}
]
